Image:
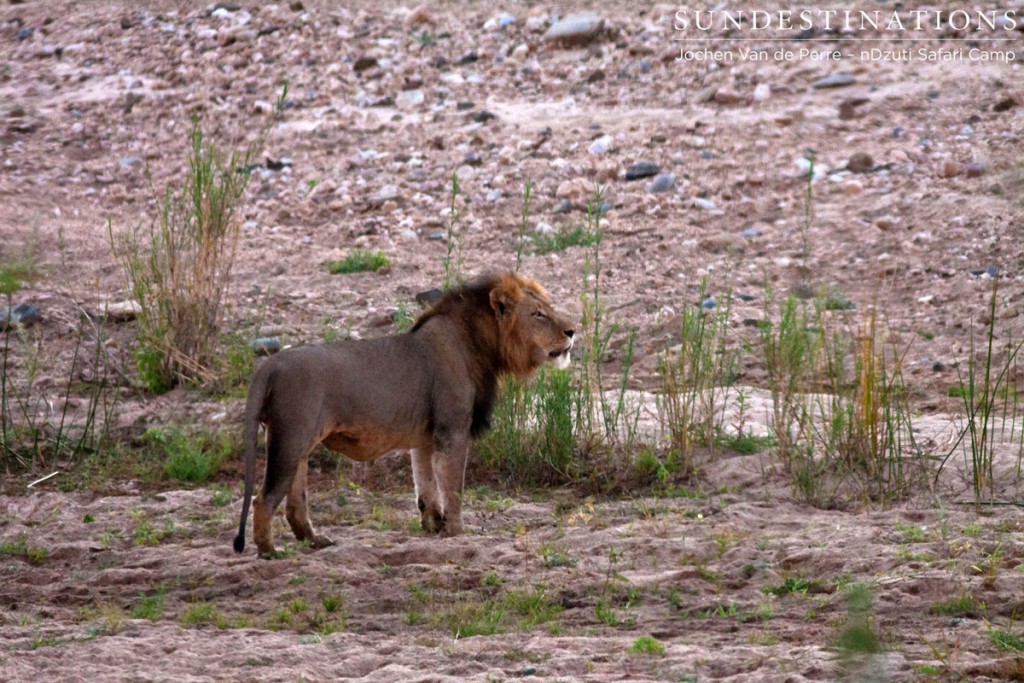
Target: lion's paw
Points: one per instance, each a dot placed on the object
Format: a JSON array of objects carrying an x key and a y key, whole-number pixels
[{"x": 320, "y": 541}]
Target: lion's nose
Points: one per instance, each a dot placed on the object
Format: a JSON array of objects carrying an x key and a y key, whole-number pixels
[{"x": 569, "y": 333}]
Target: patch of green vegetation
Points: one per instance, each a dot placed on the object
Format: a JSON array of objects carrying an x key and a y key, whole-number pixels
[
  {"x": 332, "y": 603},
  {"x": 189, "y": 457},
  {"x": 912, "y": 533},
  {"x": 563, "y": 238},
  {"x": 19, "y": 546},
  {"x": 88, "y": 519},
  {"x": 837, "y": 300},
  {"x": 791, "y": 584},
  {"x": 857, "y": 635},
  {"x": 746, "y": 444},
  {"x": 958, "y": 391},
  {"x": 1006, "y": 640},
  {"x": 359, "y": 261},
  {"x": 533, "y": 607},
  {"x": 220, "y": 496},
  {"x": 964, "y": 605},
  {"x": 150, "y": 606},
  {"x": 647, "y": 645},
  {"x": 199, "y": 613}
]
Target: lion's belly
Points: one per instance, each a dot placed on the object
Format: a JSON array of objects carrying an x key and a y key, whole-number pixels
[{"x": 366, "y": 445}]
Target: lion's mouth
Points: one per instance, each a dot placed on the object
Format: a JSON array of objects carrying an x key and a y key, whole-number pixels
[{"x": 561, "y": 357}]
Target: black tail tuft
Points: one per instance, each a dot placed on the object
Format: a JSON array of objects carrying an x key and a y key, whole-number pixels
[{"x": 239, "y": 543}]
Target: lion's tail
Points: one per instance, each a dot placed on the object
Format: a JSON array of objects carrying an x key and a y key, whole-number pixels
[{"x": 253, "y": 409}]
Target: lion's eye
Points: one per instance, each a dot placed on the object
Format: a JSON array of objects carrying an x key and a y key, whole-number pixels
[{"x": 539, "y": 314}]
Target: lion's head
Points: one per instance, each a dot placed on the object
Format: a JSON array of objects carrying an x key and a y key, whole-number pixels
[
  {"x": 530, "y": 331},
  {"x": 511, "y": 321}
]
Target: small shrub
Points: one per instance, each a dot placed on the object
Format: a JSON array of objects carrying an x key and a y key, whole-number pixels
[
  {"x": 359, "y": 261},
  {"x": 791, "y": 584},
  {"x": 199, "y": 613},
  {"x": 150, "y": 606},
  {"x": 179, "y": 268},
  {"x": 563, "y": 238},
  {"x": 191, "y": 458},
  {"x": 1006, "y": 640},
  {"x": 647, "y": 645},
  {"x": 857, "y": 635},
  {"x": 964, "y": 605}
]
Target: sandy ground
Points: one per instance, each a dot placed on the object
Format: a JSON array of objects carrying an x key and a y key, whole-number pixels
[{"x": 95, "y": 101}]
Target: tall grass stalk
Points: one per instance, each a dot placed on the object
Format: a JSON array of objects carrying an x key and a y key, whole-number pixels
[
  {"x": 453, "y": 245},
  {"x": 178, "y": 268},
  {"x": 524, "y": 222},
  {"x": 695, "y": 381},
  {"x": 988, "y": 380},
  {"x": 605, "y": 417}
]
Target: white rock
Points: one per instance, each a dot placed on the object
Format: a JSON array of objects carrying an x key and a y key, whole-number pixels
[
  {"x": 409, "y": 99},
  {"x": 543, "y": 229},
  {"x": 601, "y": 145}
]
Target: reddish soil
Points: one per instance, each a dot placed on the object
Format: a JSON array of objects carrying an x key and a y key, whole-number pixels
[{"x": 95, "y": 103}]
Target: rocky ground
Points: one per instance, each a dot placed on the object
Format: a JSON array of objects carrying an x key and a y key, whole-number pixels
[{"x": 916, "y": 203}]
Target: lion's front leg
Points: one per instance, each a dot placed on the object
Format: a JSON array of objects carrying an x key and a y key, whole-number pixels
[
  {"x": 427, "y": 499},
  {"x": 450, "y": 472}
]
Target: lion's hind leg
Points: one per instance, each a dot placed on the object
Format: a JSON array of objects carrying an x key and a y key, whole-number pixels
[
  {"x": 297, "y": 510},
  {"x": 427, "y": 498},
  {"x": 285, "y": 454}
]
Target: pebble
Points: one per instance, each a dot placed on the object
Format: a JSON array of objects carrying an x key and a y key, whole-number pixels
[
  {"x": 543, "y": 229},
  {"x": 25, "y": 315},
  {"x": 860, "y": 162},
  {"x": 702, "y": 203},
  {"x": 642, "y": 169},
  {"x": 885, "y": 223},
  {"x": 726, "y": 96},
  {"x": 751, "y": 233},
  {"x": 663, "y": 182},
  {"x": 708, "y": 303},
  {"x": 575, "y": 29},
  {"x": 417, "y": 17},
  {"x": 1004, "y": 104},
  {"x": 500, "y": 21},
  {"x": 950, "y": 169},
  {"x": 762, "y": 92},
  {"x": 975, "y": 169},
  {"x": 121, "y": 311},
  {"x": 601, "y": 144},
  {"x": 577, "y": 189},
  {"x": 364, "y": 63},
  {"x": 409, "y": 99},
  {"x": 836, "y": 80},
  {"x": 386, "y": 193},
  {"x": 563, "y": 206},
  {"x": 991, "y": 270}
]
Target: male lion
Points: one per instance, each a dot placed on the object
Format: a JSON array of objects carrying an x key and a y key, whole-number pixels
[{"x": 431, "y": 390}]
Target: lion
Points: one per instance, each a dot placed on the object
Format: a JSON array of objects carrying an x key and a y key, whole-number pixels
[{"x": 431, "y": 390}]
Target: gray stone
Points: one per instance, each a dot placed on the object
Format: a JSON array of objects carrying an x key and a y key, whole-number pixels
[
  {"x": 663, "y": 182},
  {"x": 575, "y": 29},
  {"x": 642, "y": 169},
  {"x": 265, "y": 346},
  {"x": 25, "y": 315},
  {"x": 429, "y": 297},
  {"x": 836, "y": 80},
  {"x": 702, "y": 203}
]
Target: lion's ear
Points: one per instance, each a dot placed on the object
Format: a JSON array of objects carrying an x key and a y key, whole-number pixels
[{"x": 502, "y": 301}]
